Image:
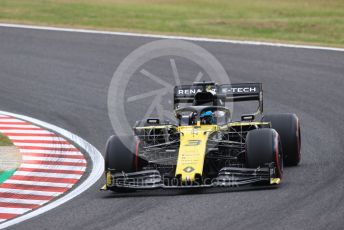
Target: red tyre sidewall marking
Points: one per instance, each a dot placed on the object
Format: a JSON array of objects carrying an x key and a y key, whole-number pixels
[
  {"x": 278, "y": 166},
  {"x": 298, "y": 135}
]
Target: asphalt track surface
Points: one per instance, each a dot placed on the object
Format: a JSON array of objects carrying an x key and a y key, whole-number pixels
[{"x": 62, "y": 78}]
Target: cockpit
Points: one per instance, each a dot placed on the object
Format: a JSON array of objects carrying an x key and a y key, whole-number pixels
[{"x": 205, "y": 115}]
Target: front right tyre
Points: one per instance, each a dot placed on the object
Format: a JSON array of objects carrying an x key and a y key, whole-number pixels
[{"x": 263, "y": 146}]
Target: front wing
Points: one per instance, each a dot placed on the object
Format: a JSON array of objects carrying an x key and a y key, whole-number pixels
[{"x": 227, "y": 177}]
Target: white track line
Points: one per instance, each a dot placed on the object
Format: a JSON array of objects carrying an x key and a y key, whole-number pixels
[
  {"x": 18, "y": 131},
  {"x": 29, "y": 192},
  {"x": 55, "y": 154},
  {"x": 201, "y": 39},
  {"x": 95, "y": 172},
  {"x": 58, "y": 146},
  {"x": 34, "y": 138},
  {"x": 40, "y": 183},
  {"x": 41, "y": 174},
  {"x": 59, "y": 167},
  {"x": 14, "y": 210},
  {"x": 49, "y": 152},
  {"x": 9, "y": 120},
  {"x": 33, "y": 158},
  {"x": 17, "y": 126},
  {"x": 23, "y": 201}
]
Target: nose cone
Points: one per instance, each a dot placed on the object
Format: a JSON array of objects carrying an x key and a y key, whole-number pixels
[{"x": 193, "y": 141}]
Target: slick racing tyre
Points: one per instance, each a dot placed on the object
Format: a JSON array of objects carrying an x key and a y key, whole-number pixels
[
  {"x": 288, "y": 127},
  {"x": 262, "y": 147},
  {"x": 118, "y": 157}
]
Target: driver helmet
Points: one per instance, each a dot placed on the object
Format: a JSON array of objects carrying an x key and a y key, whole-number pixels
[{"x": 207, "y": 117}]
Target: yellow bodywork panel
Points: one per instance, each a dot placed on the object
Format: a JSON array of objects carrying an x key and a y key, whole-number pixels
[
  {"x": 275, "y": 181},
  {"x": 241, "y": 123},
  {"x": 108, "y": 179},
  {"x": 192, "y": 149}
]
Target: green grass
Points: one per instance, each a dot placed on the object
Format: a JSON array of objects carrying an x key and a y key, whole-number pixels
[
  {"x": 4, "y": 175},
  {"x": 4, "y": 141},
  {"x": 294, "y": 21}
]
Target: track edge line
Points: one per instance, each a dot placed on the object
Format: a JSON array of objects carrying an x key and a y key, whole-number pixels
[{"x": 200, "y": 39}]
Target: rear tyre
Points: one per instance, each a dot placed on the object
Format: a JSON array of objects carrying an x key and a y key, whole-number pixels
[
  {"x": 288, "y": 127},
  {"x": 262, "y": 147}
]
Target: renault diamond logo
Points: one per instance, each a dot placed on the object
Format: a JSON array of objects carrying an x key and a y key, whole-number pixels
[{"x": 188, "y": 169}]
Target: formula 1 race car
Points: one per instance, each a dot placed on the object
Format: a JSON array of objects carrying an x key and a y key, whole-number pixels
[{"x": 205, "y": 148}]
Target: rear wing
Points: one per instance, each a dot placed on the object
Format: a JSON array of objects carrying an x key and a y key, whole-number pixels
[{"x": 222, "y": 93}]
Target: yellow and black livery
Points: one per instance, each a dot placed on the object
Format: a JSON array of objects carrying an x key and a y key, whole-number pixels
[{"x": 205, "y": 148}]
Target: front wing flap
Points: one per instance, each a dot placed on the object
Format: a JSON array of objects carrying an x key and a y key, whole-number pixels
[{"x": 227, "y": 177}]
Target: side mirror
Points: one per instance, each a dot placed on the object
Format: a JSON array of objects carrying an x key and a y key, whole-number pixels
[
  {"x": 247, "y": 117},
  {"x": 152, "y": 121}
]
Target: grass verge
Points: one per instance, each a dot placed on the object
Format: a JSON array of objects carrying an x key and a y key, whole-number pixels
[
  {"x": 319, "y": 22},
  {"x": 4, "y": 141},
  {"x": 5, "y": 172}
]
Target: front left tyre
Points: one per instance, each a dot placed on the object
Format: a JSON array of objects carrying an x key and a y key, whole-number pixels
[{"x": 118, "y": 156}]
